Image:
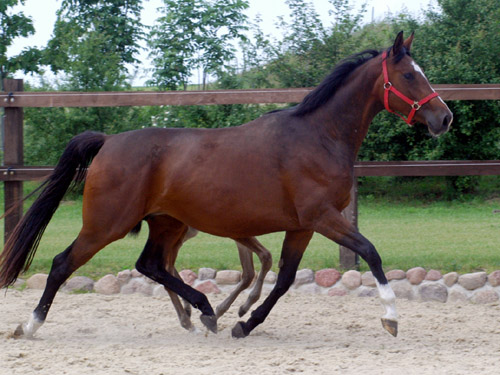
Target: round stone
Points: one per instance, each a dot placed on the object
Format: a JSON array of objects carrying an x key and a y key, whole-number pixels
[{"x": 351, "y": 279}]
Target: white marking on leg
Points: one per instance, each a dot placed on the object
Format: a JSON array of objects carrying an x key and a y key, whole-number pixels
[
  {"x": 388, "y": 299},
  {"x": 32, "y": 326}
]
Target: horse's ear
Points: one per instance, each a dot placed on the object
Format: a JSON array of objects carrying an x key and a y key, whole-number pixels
[
  {"x": 407, "y": 43},
  {"x": 398, "y": 44}
]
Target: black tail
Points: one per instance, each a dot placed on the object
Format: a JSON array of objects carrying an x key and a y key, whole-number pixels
[{"x": 23, "y": 242}]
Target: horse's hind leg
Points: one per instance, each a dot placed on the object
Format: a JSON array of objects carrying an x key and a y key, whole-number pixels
[
  {"x": 183, "y": 312},
  {"x": 183, "y": 316},
  {"x": 59, "y": 273},
  {"x": 246, "y": 279},
  {"x": 170, "y": 255},
  {"x": 294, "y": 246},
  {"x": 166, "y": 235},
  {"x": 266, "y": 262},
  {"x": 245, "y": 247},
  {"x": 63, "y": 265},
  {"x": 191, "y": 232},
  {"x": 187, "y": 306}
]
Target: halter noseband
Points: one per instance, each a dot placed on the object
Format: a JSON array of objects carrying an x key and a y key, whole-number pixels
[{"x": 388, "y": 87}]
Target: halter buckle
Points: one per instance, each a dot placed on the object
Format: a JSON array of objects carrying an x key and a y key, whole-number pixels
[
  {"x": 416, "y": 106},
  {"x": 387, "y": 85}
]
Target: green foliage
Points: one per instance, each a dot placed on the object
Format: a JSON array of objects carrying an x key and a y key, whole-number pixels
[
  {"x": 92, "y": 44},
  {"x": 94, "y": 40},
  {"x": 199, "y": 34},
  {"x": 48, "y": 130},
  {"x": 14, "y": 26},
  {"x": 461, "y": 44},
  {"x": 308, "y": 49},
  {"x": 194, "y": 34}
]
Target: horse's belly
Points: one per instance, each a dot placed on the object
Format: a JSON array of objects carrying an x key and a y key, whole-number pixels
[{"x": 232, "y": 214}]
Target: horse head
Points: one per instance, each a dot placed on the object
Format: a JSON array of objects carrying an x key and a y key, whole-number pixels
[{"x": 406, "y": 91}]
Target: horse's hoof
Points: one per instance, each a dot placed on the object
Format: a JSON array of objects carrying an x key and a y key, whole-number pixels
[
  {"x": 19, "y": 332},
  {"x": 238, "y": 331},
  {"x": 187, "y": 325},
  {"x": 242, "y": 311},
  {"x": 390, "y": 326},
  {"x": 209, "y": 321}
]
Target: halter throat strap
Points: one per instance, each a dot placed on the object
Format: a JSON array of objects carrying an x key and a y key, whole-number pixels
[{"x": 388, "y": 87}]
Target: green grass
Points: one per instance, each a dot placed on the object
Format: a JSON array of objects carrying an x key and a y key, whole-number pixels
[
  {"x": 455, "y": 236},
  {"x": 460, "y": 236}
]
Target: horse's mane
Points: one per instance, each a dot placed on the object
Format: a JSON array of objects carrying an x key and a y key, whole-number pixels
[{"x": 327, "y": 88}]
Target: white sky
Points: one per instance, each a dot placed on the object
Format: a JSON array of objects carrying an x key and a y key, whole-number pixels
[{"x": 43, "y": 13}]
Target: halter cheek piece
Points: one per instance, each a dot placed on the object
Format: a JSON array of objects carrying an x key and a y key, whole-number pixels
[{"x": 388, "y": 87}]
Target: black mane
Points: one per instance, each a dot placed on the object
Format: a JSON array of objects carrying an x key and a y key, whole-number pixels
[{"x": 327, "y": 88}]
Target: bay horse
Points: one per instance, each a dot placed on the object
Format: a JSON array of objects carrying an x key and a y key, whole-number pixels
[{"x": 289, "y": 170}]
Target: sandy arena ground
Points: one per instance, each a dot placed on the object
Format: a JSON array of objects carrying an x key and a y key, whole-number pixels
[{"x": 310, "y": 334}]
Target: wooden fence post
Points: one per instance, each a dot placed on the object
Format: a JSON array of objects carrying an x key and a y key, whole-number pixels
[
  {"x": 13, "y": 155},
  {"x": 349, "y": 259}
]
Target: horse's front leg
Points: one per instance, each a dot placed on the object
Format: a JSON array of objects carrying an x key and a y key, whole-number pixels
[
  {"x": 266, "y": 261},
  {"x": 335, "y": 227},
  {"x": 246, "y": 280},
  {"x": 294, "y": 245}
]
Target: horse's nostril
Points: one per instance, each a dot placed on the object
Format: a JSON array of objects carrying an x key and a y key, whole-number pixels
[{"x": 446, "y": 121}]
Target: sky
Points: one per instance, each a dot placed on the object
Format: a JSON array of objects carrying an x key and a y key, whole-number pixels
[{"x": 43, "y": 13}]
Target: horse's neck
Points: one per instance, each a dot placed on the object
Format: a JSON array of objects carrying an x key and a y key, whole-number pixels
[{"x": 347, "y": 116}]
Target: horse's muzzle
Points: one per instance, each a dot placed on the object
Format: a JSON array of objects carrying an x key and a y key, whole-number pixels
[{"x": 440, "y": 122}]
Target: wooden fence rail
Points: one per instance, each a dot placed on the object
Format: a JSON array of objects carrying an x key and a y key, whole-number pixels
[
  {"x": 362, "y": 168},
  {"x": 14, "y": 98},
  {"x": 13, "y": 171}
]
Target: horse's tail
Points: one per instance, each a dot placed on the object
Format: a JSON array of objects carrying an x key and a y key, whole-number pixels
[{"x": 23, "y": 242}]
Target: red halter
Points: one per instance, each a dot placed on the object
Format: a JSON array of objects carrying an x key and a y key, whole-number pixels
[{"x": 388, "y": 87}]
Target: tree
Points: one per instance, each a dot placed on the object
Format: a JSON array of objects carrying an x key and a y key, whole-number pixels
[
  {"x": 14, "y": 26},
  {"x": 309, "y": 49},
  {"x": 293, "y": 57},
  {"x": 92, "y": 45},
  {"x": 195, "y": 34},
  {"x": 462, "y": 45},
  {"x": 93, "y": 42}
]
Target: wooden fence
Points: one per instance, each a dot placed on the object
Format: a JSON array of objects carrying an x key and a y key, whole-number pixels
[{"x": 14, "y": 99}]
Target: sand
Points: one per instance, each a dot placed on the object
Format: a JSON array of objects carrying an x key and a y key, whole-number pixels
[{"x": 310, "y": 334}]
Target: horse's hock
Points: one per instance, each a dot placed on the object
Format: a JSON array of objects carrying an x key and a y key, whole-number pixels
[{"x": 414, "y": 284}]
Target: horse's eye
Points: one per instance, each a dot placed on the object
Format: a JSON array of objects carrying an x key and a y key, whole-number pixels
[{"x": 409, "y": 76}]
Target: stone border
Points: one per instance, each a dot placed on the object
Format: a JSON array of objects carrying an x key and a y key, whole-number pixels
[{"x": 414, "y": 284}]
